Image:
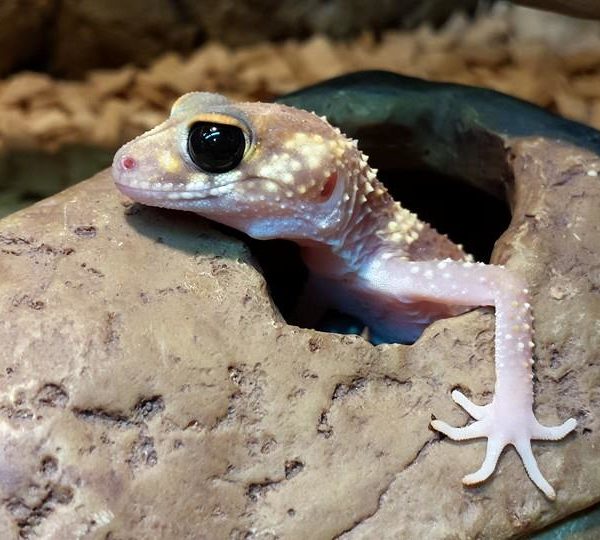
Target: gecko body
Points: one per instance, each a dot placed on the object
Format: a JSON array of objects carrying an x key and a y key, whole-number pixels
[{"x": 273, "y": 171}]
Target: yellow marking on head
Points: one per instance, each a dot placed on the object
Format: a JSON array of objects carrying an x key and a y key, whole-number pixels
[
  {"x": 313, "y": 161},
  {"x": 277, "y": 166},
  {"x": 218, "y": 118},
  {"x": 169, "y": 162},
  {"x": 309, "y": 149}
]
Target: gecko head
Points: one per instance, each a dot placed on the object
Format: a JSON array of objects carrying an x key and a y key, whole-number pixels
[{"x": 265, "y": 169}]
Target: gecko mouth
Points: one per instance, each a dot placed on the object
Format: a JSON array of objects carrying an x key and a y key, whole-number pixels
[{"x": 147, "y": 195}]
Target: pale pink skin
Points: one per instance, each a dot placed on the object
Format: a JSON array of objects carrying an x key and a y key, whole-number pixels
[{"x": 302, "y": 180}]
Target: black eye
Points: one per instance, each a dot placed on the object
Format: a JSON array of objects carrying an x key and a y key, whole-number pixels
[{"x": 216, "y": 148}]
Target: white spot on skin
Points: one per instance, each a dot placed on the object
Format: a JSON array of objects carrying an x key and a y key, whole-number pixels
[
  {"x": 428, "y": 274},
  {"x": 414, "y": 269},
  {"x": 592, "y": 172}
]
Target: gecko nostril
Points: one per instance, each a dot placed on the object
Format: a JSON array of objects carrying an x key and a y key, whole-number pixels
[{"x": 128, "y": 163}]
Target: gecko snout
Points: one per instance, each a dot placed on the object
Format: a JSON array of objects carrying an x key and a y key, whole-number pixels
[{"x": 126, "y": 170}]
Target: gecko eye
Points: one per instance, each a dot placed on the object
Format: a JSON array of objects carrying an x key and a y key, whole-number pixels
[{"x": 216, "y": 148}]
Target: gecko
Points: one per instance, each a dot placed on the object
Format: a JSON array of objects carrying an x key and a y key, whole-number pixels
[{"x": 273, "y": 171}]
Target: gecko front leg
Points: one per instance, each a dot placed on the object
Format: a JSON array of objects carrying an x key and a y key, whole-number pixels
[{"x": 509, "y": 418}]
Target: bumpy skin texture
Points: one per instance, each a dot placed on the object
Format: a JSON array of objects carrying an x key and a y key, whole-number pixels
[{"x": 301, "y": 179}]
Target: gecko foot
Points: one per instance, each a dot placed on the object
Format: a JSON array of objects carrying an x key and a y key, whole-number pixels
[{"x": 503, "y": 424}]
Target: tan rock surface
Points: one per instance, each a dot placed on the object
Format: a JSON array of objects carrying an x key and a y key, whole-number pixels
[{"x": 149, "y": 388}]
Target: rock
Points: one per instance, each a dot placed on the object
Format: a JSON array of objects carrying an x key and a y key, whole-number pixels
[{"x": 150, "y": 388}]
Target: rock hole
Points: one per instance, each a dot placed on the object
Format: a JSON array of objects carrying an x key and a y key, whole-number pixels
[
  {"x": 49, "y": 466},
  {"x": 292, "y": 468},
  {"x": 142, "y": 453},
  {"x": 146, "y": 408},
  {"x": 52, "y": 395}
]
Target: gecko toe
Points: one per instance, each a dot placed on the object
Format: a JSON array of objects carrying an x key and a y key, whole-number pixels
[
  {"x": 476, "y": 411},
  {"x": 533, "y": 471},
  {"x": 554, "y": 433},
  {"x": 475, "y": 430},
  {"x": 493, "y": 451}
]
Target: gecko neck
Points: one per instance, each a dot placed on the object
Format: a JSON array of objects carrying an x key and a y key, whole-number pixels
[{"x": 374, "y": 226}]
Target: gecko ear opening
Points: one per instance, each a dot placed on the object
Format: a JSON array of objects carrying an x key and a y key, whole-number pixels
[{"x": 329, "y": 186}]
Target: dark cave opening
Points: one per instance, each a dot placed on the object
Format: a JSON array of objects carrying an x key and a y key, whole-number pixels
[{"x": 468, "y": 215}]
